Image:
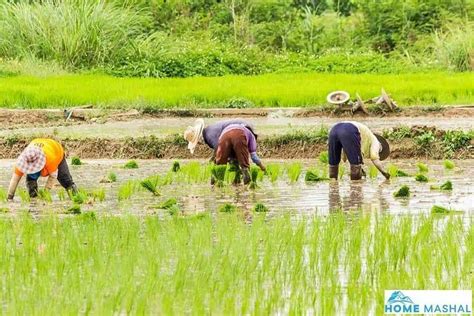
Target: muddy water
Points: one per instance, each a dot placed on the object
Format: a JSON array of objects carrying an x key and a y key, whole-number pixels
[
  {"x": 273, "y": 124},
  {"x": 280, "y": 197}
]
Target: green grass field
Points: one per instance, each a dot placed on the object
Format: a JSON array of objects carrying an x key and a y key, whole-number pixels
[
  {"x": 272, "y": 90},
  {"x": 218, "y": 264}
]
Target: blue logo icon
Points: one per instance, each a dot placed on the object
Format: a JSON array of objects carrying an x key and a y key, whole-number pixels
[{"x": 398, "y": 297}]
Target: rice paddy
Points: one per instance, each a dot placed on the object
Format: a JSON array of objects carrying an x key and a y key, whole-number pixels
[{"x": 161, "y": 239}]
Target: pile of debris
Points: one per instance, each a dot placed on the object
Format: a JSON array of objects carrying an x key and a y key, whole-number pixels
[{"x": 343, "y": 100}]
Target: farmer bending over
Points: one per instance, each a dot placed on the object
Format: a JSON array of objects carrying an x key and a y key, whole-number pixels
[
  {"x": 41, "y": 158},
  {"x": 357, "y": 141},
  {"x": 211, "y": 134}
]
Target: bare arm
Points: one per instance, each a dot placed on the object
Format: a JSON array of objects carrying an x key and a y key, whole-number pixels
[
  {"x": 13, "y": 185},
  {"x": 379, "y": 166}
]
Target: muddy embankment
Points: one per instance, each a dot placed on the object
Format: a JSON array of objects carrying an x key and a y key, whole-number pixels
[{"x": 416, "y": 142}]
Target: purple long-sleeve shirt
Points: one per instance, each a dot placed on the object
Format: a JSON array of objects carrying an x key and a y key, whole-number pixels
[
  {"x": 212, "y": 133},
  {"x": 251, "y": 140}
]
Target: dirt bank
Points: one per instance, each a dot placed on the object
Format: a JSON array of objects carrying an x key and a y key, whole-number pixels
[{"x": 288, "y": 146}]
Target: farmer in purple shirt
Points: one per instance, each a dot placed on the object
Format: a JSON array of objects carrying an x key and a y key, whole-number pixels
[{"x": 211, "y": 135}]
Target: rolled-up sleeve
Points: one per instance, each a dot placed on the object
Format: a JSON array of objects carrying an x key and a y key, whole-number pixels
[{"x": 252, "y": 144}]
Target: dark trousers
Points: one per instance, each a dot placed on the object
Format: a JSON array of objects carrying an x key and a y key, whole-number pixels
[
  {"x": 344, "y": 136},
  {"x": 64, "y": 178},
  {"x": 233, "y": 146}
]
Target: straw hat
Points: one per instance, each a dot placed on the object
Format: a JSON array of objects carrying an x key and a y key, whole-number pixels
[
  {"x": 31, "y": 160},
  {"x": 192, "y": 134},
  {"x": 338, "y": 97},
  {"x": 385, "y": 147}
]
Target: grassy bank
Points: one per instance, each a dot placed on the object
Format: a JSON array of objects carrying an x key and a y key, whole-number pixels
[
  {"x": 300, "y": 89},
  {"x": 220, "y": 265}
]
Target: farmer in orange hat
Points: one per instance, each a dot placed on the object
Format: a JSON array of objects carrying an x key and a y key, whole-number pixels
[
  {"x": 43, "y": 157},
  {"x": 358, "y": 142}
]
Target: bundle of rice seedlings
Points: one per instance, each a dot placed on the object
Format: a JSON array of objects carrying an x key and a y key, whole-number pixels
[
  {"x": 132, "y": 164},
  {"x": 448, "y": 164},
  {"x": 447, "y": 186},
  {"x": 76, "y": 161},
  {"x": 254, "y": 171},
  {"x": 421, "y": 178},
  {"x": 436, "y": 209},
  {"x": 80, "y": 197},
  {"x": 228, "y": 208},
  {"x": 260, "y": 208},
  {"x": 422, "y": 167},
  {"x": 403, "y": 191},
  {"x": 75, "y": 209},
  {"x": 313, "y": 176},
  {"x": 218, "y": 174},
  {"x": 324, "y": 157},
  {"x": 171, "y": 205},
  {"x": 151, "y": 186},
  {"x": 176, "y": 166}
]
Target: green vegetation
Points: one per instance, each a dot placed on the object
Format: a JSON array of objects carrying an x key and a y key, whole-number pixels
[
  {"x": 422, "y": 167},
  {"x": 304, "y": 89},
  {"x": 228, "y": 208},
  {"x": 448, "y": 164},
  {"x": 420, "y": 177},
  {"x": 45, "y": 195},
  {"x": 171, "y": 205},
  {"x": 132, "y": 164},
  {"x": 260, "y": 208},
  {"x": 447, "y": 186},
  {"x": 254, "y": 175},
  {"x": 436, "y": 209},
  {"x": 373, "y": 172},
  {"x": 218, "y": 174},
  {"x": 314, "y": 176},
  {"x": 324, "y": 157},
  {"x": 176, "y": 166},
  {"x": 294, "y": 171},
  {"x": 199, "y": 265},
  {"x": 75, "y": 209},
  {"x": 112, "y": 177},
  {"x": 151, "y": 185},
  {"x": 395, "y": 172},
  {"x": 80, "y": 197},
  {"x": 76, "y": 161},
  {"x": 403, "y": 191},
  {"x": 273, "y": 172},
  {"x": 126, "y": 190}
]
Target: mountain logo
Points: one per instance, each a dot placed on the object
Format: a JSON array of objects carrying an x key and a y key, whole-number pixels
[{"x": 398, "y": 297}]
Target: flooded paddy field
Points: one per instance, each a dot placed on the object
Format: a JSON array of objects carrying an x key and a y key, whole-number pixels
[{"x": 194, "y": 194}]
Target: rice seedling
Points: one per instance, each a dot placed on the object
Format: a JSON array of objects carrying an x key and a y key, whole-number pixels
[
  {"x": 132, "y": 164},
  {"x": 314, "y": 176},
  {"x": 294, "y": 171},
  {"x": 171, "y": 205},
  {"x": 4, "y": 210},
  {"x": 112, "y": 177},
  {"x": 218, "y": 174},
  {"x": 448, "y": 164},
  {"x": 342, "y": 171},
  {"x": 3, "y": 195},
  {"x": 98, "y": 195},
  {"x": 76, "y": 161},
  {"x": 373, "y": 172},
  {"x": 151, "y": 185},
  {"x": 422, "y": 167},
  {"x": 421, "y": 177},
  {"x": 254, "y": 174},
  {"x": 324, "y": 157},
  {"x": 273, "y": 172},
  {"x": 126, "y": 190},
  {"x": 45, "y": 195},
  {"x": 395, "y": 172},
  {"x": 24, "y": 196},
  {"x": 260, "y": 208},
  {"x": 228, "y": 208},
  {"x": 176, "y": 166},
  {"x": 231, "y": 261},
  {"x": 436, "y": 209},
  {"x": 75, "y": 209},
  {"x": 446, "y": 186},
  {"x": 80, "y": 197},
  {"x": 403, "y": 191}
]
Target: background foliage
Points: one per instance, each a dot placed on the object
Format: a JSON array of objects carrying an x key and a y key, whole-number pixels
[{"x": 182, "y": 38}]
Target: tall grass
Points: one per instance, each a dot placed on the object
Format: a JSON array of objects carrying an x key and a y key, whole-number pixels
[
  {"x": 455, "y": 48},
  {"x": 301, "y": 89},
  {"x": 75, "y": 33},
  {"x": 206, "y": 265}
]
